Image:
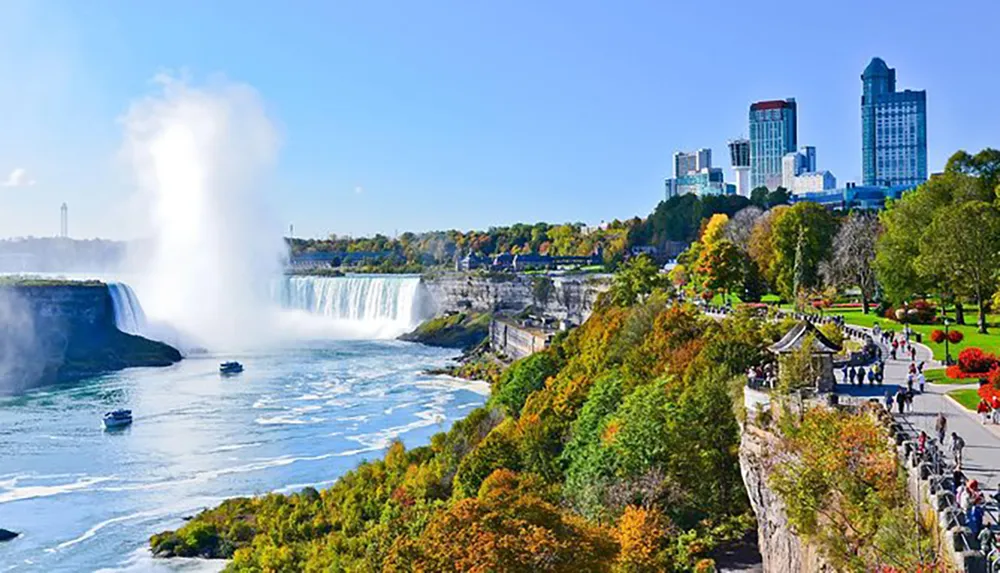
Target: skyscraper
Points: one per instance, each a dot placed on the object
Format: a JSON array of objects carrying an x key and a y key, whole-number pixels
[
  {"x": 893, "y": 130},
  {"x": 693, "y": 173},
  {"x": 692, "y": 162},
  {"x": 739, "y": 158},
  {"x": 773, "y": 133}
]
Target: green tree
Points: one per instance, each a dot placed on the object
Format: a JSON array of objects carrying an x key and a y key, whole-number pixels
[
  {"x": 521, "y": 379},
  {"x": 722, "y": 266},
  {"x": 817, "y": 228},
  {"x": 963, "y": 244},
  {"x": 635, "y": 280}
]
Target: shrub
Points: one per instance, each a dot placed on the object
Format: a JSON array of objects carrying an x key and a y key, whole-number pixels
[
  {"x": 521, "y": 379},
  {"x": 917, "y": 312},
  {"x": 938, "y": 336},
  {"x": 955, "y": 336},
  {"x": 973, "y": 360}
]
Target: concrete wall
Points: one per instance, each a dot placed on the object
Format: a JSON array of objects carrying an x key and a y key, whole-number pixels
[{"x": 514, "y": 341}]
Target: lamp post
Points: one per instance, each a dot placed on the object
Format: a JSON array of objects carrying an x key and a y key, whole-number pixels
[{"x": 947, "y": 354}]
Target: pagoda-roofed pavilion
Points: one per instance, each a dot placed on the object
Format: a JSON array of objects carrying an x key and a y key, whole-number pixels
[{"x": 823, "y": 350}]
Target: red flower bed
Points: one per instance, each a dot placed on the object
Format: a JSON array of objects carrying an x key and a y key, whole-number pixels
[
  {"x": 973, "y": 363},
  {"x": 847, "y": 305}
]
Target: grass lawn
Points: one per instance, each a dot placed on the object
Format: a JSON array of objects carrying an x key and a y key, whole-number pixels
[
  {"x": 988, "y": 342},
  {"x": 938, "y": 376},
  {"x": 968, "y": 398}
]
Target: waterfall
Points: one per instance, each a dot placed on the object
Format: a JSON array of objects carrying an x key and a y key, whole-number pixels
[
  {"x": 385, "y": 304},
  {"x": 129, "y": 317}
]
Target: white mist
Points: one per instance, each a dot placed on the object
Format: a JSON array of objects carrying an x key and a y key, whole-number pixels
[{"x": 201, "y": 156}]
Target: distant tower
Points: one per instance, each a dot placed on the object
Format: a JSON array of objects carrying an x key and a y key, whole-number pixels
[
  {"x": 64, "y": 221},
  {"x": 739, "y": 156}
]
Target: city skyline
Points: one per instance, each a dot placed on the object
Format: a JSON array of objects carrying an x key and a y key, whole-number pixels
[{"x": 433, "y": 118}]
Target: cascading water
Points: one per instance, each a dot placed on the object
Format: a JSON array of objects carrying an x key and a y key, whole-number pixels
[
  {"x": 129, "y": 317},
  {"x": 362, "y": 306}
]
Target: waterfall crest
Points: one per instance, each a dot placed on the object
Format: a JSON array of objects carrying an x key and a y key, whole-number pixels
[
  {"x": 380, "y": 305},
  {"x": 129, "y": 316}
]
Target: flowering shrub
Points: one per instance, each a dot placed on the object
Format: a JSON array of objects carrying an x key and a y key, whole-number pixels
[
  {"x": 917, "y": 312},
  {"x": 955, "y": 336},
  {"x": 973, "y": 359},
  {"x": 938, "y": 336}
]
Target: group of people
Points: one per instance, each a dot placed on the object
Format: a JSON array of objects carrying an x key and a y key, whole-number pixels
[
  {"x": 989, "y": 411},
  {"x": 874, "y": 375}
]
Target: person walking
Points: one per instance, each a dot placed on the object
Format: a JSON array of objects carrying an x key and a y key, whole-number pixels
[
  {"x": 888, "y": 401},
  {"x": 983, "y": 409},
  {"x": 913, "y": 353},
  {"x": 900, "y": 400},
  {"x": 850, "y": 376},
  {"x": 921, "y": 380},
  {"x": 909, "y": 401},
  {"x": 941, "y": 426},
  {"x": 909, "y": 382},
  {"x": 975, "y": 500},
  {"x": 957, "y": 445},
  {"x": 871, "y": 376},
  {"x": 995, "y": 404},
  {"x": 861, "y": 376}
]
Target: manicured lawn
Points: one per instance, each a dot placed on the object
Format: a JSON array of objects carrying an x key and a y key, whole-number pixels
[
  {"x": 967, "y": 397},
  {"x": 988, "y": 342},
  {"x": 938, "y": 376}
]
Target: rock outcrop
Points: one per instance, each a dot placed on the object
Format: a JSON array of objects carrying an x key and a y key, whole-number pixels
[
  {"x": 65, "y": 331},
  {"x": 782, "y": 550},
  {"x": 567, "y": 297},
  {"x": 7, "y": 535}
]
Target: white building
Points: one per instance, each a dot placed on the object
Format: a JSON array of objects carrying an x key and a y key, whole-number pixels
[{"x": 799, "y": 174}]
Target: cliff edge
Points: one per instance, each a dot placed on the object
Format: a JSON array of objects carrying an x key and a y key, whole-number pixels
[{"x": 65, "y": 331}]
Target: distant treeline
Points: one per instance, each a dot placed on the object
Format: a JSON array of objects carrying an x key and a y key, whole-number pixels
[
  {"x": 53, "y": 254},
  {"x": 677, "y": 220}
]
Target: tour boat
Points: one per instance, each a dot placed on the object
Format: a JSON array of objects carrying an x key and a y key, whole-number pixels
[
  {"x": 117, "y": 419},
  {"x": 230, "y": 368}
]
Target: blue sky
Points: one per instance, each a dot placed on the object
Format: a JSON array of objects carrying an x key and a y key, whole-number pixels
[{"x": 470, "y": 113}]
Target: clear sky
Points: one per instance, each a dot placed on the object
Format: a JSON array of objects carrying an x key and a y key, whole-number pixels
[{"x": 400, "y": 115}]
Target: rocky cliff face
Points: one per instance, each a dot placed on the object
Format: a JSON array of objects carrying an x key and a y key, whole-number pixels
[
  {"x": 61, "y": 332},
  {"x": 563, "y": 297},
  {"x": 780, "y": 547}
]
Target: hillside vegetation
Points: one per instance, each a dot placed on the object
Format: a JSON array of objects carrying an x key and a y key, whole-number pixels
[{"x": 592, "y": 456}]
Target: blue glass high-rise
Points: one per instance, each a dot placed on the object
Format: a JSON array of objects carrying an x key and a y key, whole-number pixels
[
  {"x": 773, "y": 133},
  {"x": 893, "y": 130}
]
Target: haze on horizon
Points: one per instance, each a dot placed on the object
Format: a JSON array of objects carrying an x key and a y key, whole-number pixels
[{"x": 453, "y": 115}]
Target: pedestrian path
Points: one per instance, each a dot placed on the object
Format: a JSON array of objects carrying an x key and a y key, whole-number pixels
[{"x": 981, "y": 457}]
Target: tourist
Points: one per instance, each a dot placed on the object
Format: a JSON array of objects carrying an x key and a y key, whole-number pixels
[
  {"x": 921, "y": 380},
  {"x": 957, "y": 445},
  {"x": 920, "y": 367},
  {"x": 909, "y": 382},
  {"x": 984, "y": 411},
  {"x": 995, "y": 405},
  {"x": 871, "y": 376},
  {"x": 913, "y": 353},
  {"x": 846, "y": 373},
  {"x": 850, "y": 376},
  {"x": 900, "y": 400},
  {"x": 909, "y": 400},
  {"x": 957, "y": 482},
  {"x": 941, "y": 425},
  {"x": 922, "y": 443},
  {"x": 974, "y": 500},
  {"x": 888, "y": 401},
  {"x": 987, "y": 540},
  {"x": 861, "y": 376}
]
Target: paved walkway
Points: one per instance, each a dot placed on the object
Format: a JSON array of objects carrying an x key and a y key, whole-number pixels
[{"x": 981, "y": 457}]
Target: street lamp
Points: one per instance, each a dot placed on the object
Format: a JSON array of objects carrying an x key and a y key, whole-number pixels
[{"x": 947, "y": 354}]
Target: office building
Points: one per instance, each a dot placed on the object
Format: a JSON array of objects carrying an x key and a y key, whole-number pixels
[
  {"x": 893, "y": 130},
  {"x": 692, "y": 162},
  {"x": 739, "y": 158},
  {"x": 773, "y": 133},
  {"x": 799, "y": 174},
  {"x": 693, "y": 173}
]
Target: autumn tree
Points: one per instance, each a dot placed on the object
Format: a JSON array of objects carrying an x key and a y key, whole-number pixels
[
  {"x": 962, "y": 243},
  {"x": 853, "y": 260},
  {"x": 741, "y": 225},
  {"x": 635, "y": 280},
  {"x": 761, "y": 245}
]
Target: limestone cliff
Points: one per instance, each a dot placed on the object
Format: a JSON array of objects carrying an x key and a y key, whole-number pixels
[
  {"x": 782, "y": 550},
  {"x": 66, "y": 331},
  {"x": 569, "y": 297}
]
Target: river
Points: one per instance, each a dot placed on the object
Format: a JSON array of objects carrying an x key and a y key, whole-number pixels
[{"x": 301, "y": 414}]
